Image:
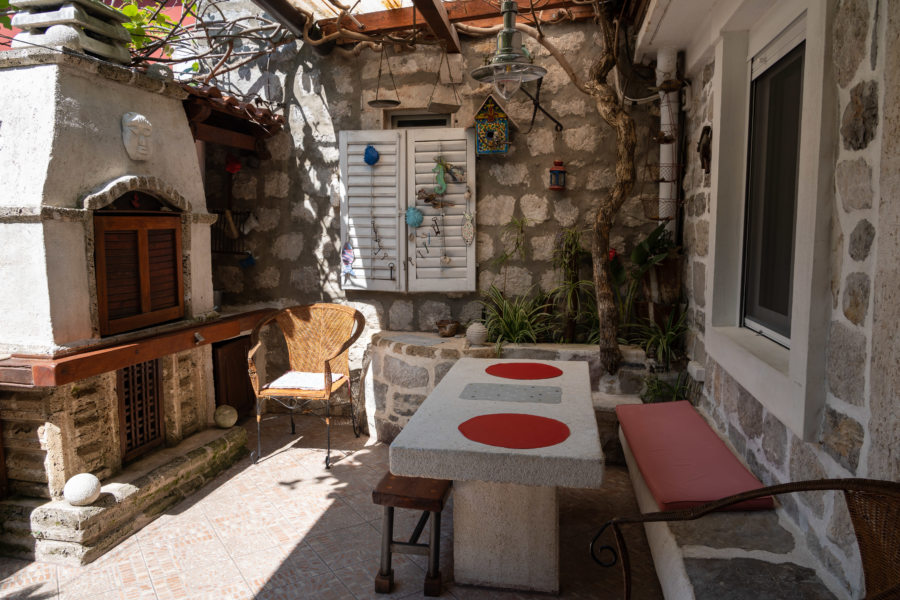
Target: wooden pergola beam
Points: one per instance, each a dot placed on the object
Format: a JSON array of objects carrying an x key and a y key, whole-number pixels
[
  {"x": 435, "y": 16},
  {"x": 462, "y": 11}
]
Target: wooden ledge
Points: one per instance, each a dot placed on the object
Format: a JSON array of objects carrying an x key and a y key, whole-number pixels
[{"x": 35, "y": 371}]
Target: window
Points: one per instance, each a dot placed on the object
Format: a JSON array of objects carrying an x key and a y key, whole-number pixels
[
  {"x": 775, "y": 101},
  {"x": 774, "y": 105},
  {"x": 140, "y": 409},
  {"x": 138, "y": 261},
  {"x": 406, "y": 121}
]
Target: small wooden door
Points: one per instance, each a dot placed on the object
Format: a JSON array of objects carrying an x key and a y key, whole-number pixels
[{"x": 231, "y": 379}]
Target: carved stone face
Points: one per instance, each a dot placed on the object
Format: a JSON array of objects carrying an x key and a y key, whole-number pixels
[{"x": 136, "y": 132}]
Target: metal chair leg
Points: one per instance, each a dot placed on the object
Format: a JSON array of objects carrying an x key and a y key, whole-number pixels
[
  {"x": 356, "y": 428},
  {"x": 258, "y": 433},
  {"x": 384, "y": 581},
  {"x": 433, "y": 576},
  {"x": 293, "y": 429},
  {"x": 327, "y": 434}
]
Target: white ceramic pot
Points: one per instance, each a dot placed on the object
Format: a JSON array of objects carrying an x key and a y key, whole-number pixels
[{"x": 476, "y": 334}]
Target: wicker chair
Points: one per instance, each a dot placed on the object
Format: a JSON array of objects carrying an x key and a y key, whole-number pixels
[
  {"x": 318, "y": 337},
  {"x": 874, "y": 508}
]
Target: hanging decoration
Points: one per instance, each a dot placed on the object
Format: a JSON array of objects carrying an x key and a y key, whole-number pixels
[
  {"x": 370, "y": 155},
  {"x": 468, "y": 228},
  {"x": 380, "y": 102},
  {"x": 558, "y": 176},
  {"x": 414, "y": 217},
  {"x": 347, "y": 259},
  {"x": 491, "y": 128},
  {"x": 435, "y": 106}
]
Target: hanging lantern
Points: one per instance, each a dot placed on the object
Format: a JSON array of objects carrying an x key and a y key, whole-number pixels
[
  {"x": 509, "y": 66},
  {"x": 557, "y": 176}
]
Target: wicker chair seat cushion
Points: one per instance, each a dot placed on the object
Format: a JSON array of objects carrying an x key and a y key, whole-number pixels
[
  {"x": 683, "y": 461},
  {"x": 297, "y": 380}
]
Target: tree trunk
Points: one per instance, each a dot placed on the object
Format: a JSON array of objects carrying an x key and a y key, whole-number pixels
[{"x": 612, "y": 111}]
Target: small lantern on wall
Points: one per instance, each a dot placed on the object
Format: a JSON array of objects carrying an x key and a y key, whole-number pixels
[{"x": 557, "y": 176}]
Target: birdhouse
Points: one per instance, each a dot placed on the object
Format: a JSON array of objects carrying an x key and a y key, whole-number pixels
[{"x": 492, "y": 128}]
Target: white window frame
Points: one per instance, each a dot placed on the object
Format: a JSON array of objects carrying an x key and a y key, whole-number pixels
[{"x": 789, "y": 382}]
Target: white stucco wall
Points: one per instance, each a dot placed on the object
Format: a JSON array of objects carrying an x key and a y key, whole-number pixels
[{"x": 61, "y": 139}]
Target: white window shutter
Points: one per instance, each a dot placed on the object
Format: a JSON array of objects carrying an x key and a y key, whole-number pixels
[
  {"x": 448, "y": 263},
  {"x": 373, "y": 194}
]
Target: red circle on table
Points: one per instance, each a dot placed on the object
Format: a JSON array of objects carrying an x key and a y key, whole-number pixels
[
  {"x": 514, "y": 430},
  {"x": 523, "y": 370}
]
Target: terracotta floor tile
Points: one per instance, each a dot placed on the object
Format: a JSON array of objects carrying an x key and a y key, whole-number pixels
[
  {"x": 22, "y": 579},
  {"x": 289, "y": 528}
]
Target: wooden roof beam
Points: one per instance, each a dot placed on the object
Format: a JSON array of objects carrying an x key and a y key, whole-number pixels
[
  {"x": 435, "y": 16},
  {"x": 461, "y": 11}
]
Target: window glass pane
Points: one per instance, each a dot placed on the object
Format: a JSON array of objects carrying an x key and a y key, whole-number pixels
[{"x": 776, "y": 97}]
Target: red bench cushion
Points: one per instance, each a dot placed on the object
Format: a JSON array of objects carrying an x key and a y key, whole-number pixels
[{"x": 682, "y": 460}]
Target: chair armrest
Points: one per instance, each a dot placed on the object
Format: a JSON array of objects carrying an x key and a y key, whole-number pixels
[
  {"x": 359, "y": 325},
  {"x": 255, "y": 345}
]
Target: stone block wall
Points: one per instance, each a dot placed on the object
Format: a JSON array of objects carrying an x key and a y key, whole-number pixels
[
  {"x": 294, "y": 196},
  {"x": 860, "y": 425},
  {"x": 49, "y": 435}
]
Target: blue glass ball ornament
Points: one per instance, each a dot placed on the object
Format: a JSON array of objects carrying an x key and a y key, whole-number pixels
[
  {"x": 414, "y": 216},
  {"x": 370, "y": 155}
]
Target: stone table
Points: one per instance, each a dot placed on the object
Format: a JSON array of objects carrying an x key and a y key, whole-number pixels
[{"x": 505, "y": 511}]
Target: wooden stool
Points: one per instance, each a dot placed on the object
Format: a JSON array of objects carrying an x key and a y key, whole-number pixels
[{"x": 417, "y": 493}]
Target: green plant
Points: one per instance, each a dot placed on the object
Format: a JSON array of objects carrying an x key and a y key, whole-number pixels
[
  {"x": 516, "y": 228},
  {"x": 659, "y": 390},
  {"x": 649, "y": 252},
  {"x": 148, "y": 23},
  {"x": 5, "y": 21},
  {"x": 573, "y": 292},
  {"x": 662, "y": 343},
  {"x": 514, "y": 319}
]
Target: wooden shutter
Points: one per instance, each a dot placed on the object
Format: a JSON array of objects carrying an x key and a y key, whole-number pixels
[
  {"x": 139, "y": 273},
  {"x": 427, "y": 271},
  {"x": 140, "y": 409},
  {"x": 373, "y": 194}
]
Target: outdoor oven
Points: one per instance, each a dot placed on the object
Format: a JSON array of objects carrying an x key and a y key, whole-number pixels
[{"x": 106, "y": 302}]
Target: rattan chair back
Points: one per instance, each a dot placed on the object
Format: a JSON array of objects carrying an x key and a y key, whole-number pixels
[{"x": 316, "y": 332}]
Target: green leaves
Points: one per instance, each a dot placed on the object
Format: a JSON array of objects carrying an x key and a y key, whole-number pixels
[
  {"x": 5, "y": 11},
  {"x": 514, "y": 320},
  {"x": 146, "y": 24}
]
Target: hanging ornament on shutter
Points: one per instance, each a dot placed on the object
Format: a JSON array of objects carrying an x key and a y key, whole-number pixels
[
  {"x": 370, "y": 155},
  {"x": 414, "y": 216},
  {"x": 468, "y": 228},
  {"x": 347, "y": 259}
]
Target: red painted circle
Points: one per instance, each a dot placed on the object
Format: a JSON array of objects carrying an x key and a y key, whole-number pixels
[
  {"x": 523, "y": 370},
  {"x": 513, "y": 430}
]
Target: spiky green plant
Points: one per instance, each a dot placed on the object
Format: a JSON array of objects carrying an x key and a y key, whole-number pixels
[{"x": 515, "y": 319}]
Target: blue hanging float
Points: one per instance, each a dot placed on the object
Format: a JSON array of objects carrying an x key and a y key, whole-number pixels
[
  {"x": 414, "y": 217},
  {"x": 370, "y": 155}
]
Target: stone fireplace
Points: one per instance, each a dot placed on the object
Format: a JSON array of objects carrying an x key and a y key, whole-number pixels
[{"x": 107, "y": 305}]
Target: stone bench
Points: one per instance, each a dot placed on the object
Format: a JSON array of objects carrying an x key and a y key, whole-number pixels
[{"x": 745, "y": 554}]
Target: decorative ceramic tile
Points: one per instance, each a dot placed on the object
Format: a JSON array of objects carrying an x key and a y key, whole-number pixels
[{"x": 511, "y": 392}]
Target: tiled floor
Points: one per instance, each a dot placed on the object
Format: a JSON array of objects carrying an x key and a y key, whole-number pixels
[{"x": 288, "y": 528}]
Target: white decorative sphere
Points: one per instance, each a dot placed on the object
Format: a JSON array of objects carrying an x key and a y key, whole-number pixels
[
  {"x": 82, "y": 489},
  {"x": 225, "y": 416},
  {"x": 476, "y": 334}
]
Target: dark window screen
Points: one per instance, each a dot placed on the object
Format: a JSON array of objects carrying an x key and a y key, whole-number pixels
[{"x": 775, "y": 112}]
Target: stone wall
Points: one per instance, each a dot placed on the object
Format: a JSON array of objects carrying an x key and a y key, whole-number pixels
[
  {"x": 294, "y": 196},
  {"x": 860, "y": 427},
  {"x": 49, "y": 435}
]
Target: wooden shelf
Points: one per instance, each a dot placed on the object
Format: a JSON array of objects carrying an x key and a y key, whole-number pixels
[{"x": 39, "y": 371}]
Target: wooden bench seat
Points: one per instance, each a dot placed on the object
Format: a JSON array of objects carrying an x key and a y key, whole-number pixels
[{"x": 415, "y": 493}]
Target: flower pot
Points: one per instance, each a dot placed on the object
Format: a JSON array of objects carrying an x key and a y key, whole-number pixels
[{"x": 476, "y": 334}]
